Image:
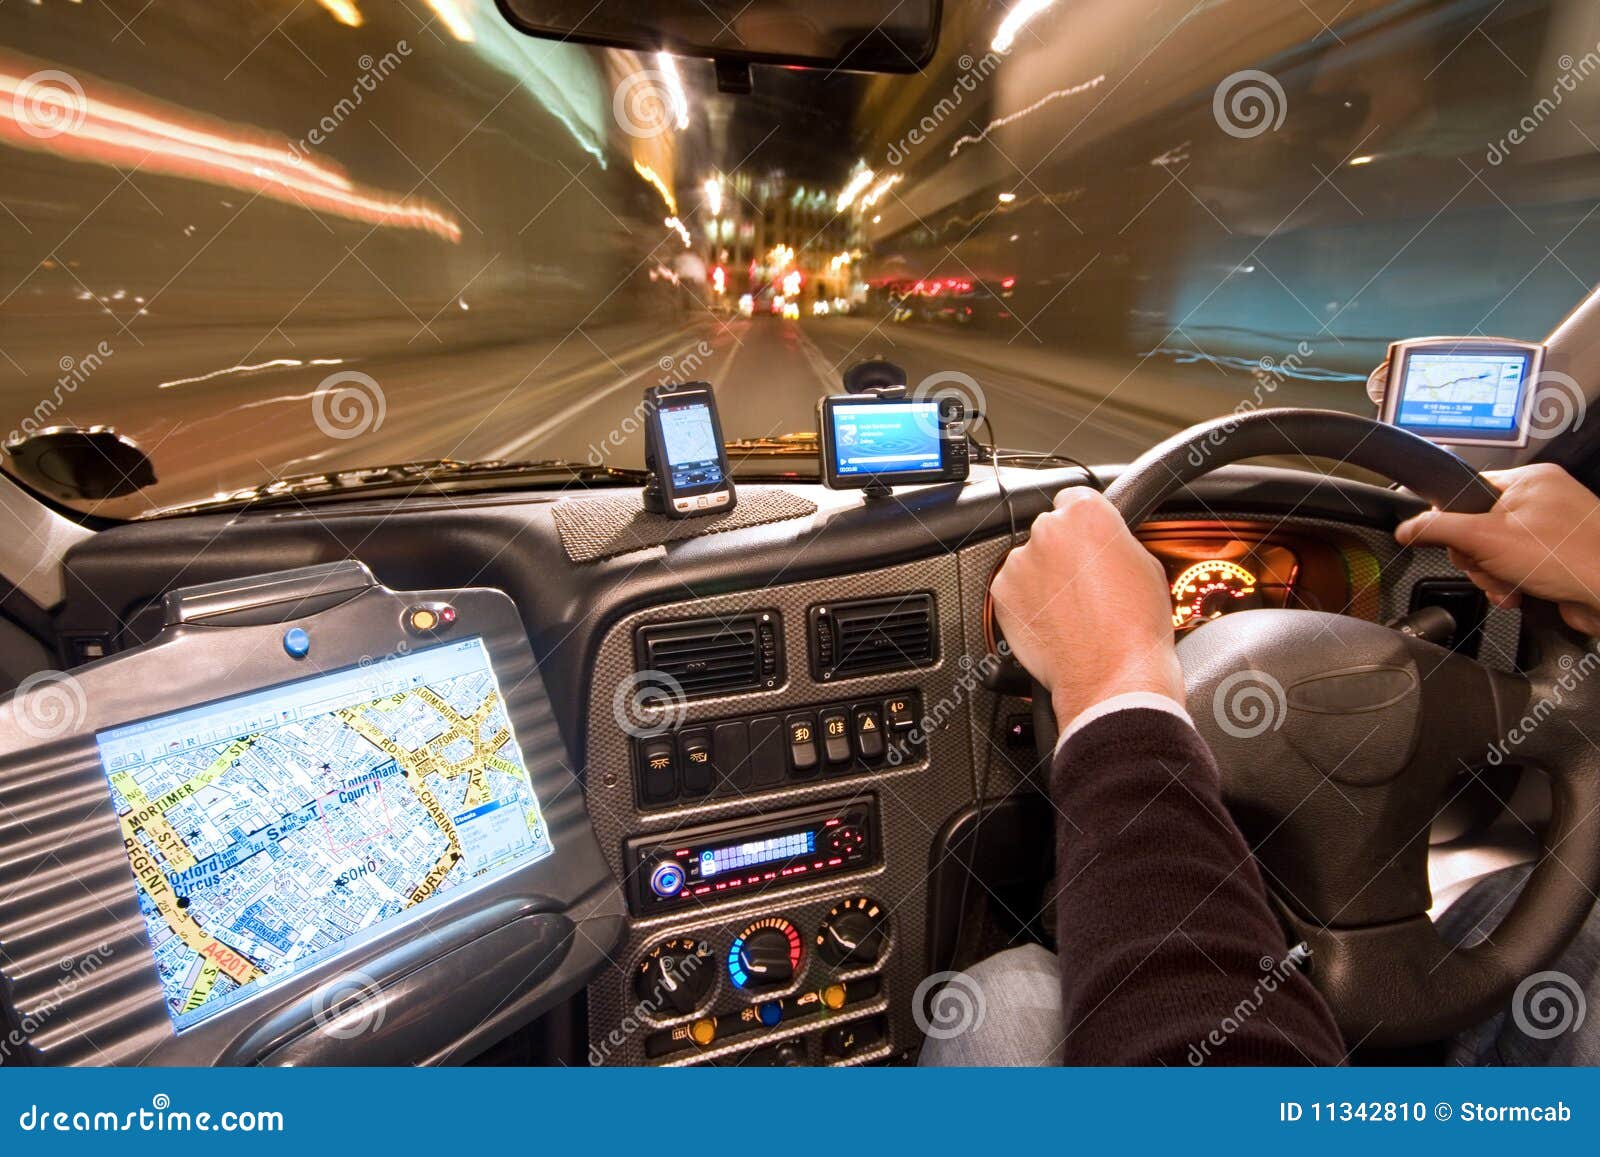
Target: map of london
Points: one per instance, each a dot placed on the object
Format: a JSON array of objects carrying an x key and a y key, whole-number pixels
[{"x": 256, "y": 852}]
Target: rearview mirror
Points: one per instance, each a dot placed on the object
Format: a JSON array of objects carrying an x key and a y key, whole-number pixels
[{"x": 855, "y": 35}]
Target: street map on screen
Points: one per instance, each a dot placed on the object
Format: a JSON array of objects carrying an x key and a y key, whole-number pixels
[
  {"x": 1476, "y": 393},
  {"x": 266, "y": 830}
]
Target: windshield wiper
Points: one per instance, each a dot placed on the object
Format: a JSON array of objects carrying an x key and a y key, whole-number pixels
[{"x": 409, "y": 477}]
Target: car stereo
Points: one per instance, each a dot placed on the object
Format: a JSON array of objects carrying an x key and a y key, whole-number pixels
[
  {"x": 310, "y": 801},
  {"x": 1462, "y": 391},
  {"x": 737, "y": 857},
  {"x": 874, "y": 441}
]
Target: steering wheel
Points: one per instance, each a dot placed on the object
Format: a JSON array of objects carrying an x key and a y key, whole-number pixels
[{"x": 1339, "y": 740}]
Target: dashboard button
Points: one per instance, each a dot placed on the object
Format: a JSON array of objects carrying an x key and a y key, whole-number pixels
[
  {"x": 658, "y": 758},
  {"x": 851, "y": 1040},
  {"x": 836, "y": 736},
  {"x": 766, "y": 751},
  {"x": 790, "y": 1054},
  {"x": 802, "y": 743},
  {"x": 732, "y": 765},
  {"x": 869, "y": 733},
  {"x": 695, "y": 749},
  {"x": 899, "y": 713}
]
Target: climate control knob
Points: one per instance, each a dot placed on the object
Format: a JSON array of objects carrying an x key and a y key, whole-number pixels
[
  {"x": 853, "y": 934},
  {"x": 766, "y": 955},
  {"x": 675, "y": 976}
]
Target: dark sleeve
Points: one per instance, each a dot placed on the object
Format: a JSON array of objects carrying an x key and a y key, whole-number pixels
[{"x": 1170, "y": 953}]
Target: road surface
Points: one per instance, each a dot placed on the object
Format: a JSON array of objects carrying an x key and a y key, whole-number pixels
[{"x": 214, "y": 424}]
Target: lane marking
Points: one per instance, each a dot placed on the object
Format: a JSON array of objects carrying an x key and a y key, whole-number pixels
[
  {"x": 818, "y": 361},
  {"x": 566, "y": 414}
]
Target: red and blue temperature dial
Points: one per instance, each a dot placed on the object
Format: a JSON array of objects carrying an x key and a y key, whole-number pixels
[{"x": 766, "y": 955}]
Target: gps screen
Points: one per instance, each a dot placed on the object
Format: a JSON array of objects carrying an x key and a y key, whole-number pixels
[
  {"x": 886, "y": 437},
  {"x": 690, "y": 441},
  {"x": 1467, "y": 394},
  {"x": 266, "y": 830}
]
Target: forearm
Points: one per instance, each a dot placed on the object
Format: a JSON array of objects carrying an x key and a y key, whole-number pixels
[{"x": 1170, "y": 952}]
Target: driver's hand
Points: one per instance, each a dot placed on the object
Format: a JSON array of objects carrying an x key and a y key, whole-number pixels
[
  {"x": 1542, "y": 539},
  {"x": 1086, "y": 609}
]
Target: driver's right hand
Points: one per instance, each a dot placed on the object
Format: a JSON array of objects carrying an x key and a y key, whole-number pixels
[{"x": 1542, "y": 539}]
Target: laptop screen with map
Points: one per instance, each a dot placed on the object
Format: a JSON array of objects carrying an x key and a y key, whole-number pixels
[{"x": 267, "y": 830}]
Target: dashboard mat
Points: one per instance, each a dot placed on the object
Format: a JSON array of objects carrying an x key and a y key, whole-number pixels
[{"x": 604, "y": 527}]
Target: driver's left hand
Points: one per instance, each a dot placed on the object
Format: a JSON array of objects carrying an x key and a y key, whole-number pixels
[{"x": 1085, "y": 608}]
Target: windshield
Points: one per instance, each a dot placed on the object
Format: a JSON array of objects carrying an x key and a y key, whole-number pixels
[{"x": 271, "y": 239}]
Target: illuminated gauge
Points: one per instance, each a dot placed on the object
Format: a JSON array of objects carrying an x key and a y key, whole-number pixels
[
  {"x": 765, "y": 955},
  {"x": 1211, "y": 588}
]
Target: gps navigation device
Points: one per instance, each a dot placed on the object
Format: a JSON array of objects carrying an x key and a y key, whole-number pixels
[
  {"x": 684, "y": 452},
  {"x": 1463, "y": 391},
  {"x": 875, "y": 441},
  {"x": 312, "y": 820},
  {"x": 269, "y": 828}
]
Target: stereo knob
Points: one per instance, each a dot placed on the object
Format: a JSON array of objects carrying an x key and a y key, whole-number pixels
[
  {"x": 766, "y": 955},
  {"x": 675, "y": 976},
  {"x": 853, "y": 933},
  {"x": 666, "y": 878}
]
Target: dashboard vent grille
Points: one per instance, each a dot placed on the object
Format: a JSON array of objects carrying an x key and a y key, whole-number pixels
[
  {"x": 715, "y": 656},
  {"x": 875, "y": 635}
]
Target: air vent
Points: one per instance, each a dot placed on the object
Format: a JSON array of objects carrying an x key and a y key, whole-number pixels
[
  {"x": 875, "y": 635},
  {"x": 715, "y": 656}
]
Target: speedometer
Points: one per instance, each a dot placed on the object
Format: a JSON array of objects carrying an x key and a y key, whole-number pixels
[{"x": 1211, "y": 588}]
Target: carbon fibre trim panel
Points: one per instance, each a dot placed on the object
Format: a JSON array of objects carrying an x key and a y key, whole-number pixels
[{"x": 914, "y": 799}]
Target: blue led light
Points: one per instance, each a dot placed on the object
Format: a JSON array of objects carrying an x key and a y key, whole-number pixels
[
  {"x": 736, "y": 971},
  {"x": 296, "y": 642}
]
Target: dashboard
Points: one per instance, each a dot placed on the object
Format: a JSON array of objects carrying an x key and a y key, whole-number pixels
[{"x": 728, "y": 769}]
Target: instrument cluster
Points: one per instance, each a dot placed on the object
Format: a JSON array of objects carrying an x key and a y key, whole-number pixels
[{"x": 1214, "y": 569}]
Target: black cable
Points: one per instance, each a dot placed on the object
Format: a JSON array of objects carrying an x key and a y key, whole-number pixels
[
  {"x": 994, "y": 456},
  {"x": 979, "y": 809},
  {"x": 981, "y": 785}
]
